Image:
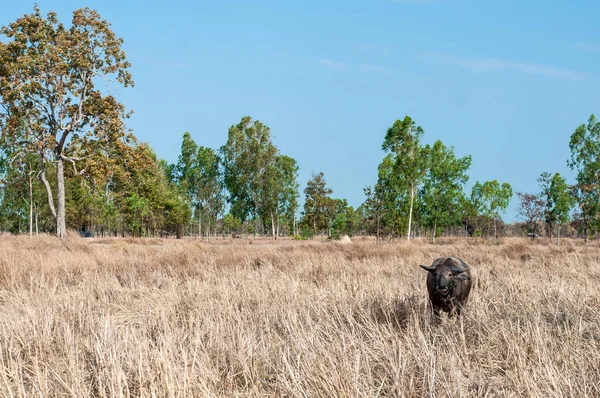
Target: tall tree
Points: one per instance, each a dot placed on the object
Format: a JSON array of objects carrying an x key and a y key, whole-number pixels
[
  {"x": 247, "y": 156},
  {"x": 403, "y": 140},
  {"x": 374, "y": 207},
  {"x": 210, "y": 186},
  {"x": 318, "y": 204},
  {"x": 585, "y": 159},
  {"x": 48, "y": 89},
  {"x": 186, "y": 170},
  {"x": 544, "y": 181},
  {"x": 281, "y": 192},
  {"x": 18, "y": 170},
  {"x": 562, "y": 201},
  {"x": 443, "y": 186},
  {"x": 495, "y": 199}
]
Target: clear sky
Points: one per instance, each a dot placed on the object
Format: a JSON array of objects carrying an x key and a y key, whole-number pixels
[{"x": 504, "y": 81}]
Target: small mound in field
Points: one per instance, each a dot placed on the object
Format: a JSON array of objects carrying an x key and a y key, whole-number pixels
[{"x": 345, "y": 240}]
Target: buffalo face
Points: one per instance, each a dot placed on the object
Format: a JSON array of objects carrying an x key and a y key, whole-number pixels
[{"x": 448, "y": 284}]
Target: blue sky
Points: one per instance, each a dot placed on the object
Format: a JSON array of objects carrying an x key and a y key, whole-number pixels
[{"x": 506, "y": 82}]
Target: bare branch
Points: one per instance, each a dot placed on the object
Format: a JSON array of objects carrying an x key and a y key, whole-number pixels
[
  {"x": 42, "y": 177},
  {"x": 72, "y": 160}
]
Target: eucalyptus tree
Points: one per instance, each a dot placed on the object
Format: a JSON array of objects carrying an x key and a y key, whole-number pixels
[
  {"x": 443, "y": 186},
  {"x": 495, "y": 198},
  {"x": 247, "y": 157},
  {"x": 209, "y": 185},
  {"x": 318, "y": 204},
  {"x": 562, "y": 201},
  {"x": 281, "y": 193},
  {"x": 402, "y": 140},
  {"x": 585, "y": 159},
  {"x": 50, "y": 92}
]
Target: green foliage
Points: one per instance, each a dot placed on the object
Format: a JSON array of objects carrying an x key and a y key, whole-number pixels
[
  {"x": 319, "y": 207},
  {"x": 494, "y": 199},
  {"x": 57, "y": 111},
  {"x": 404, "y": 170},
  {"x": 442, "y": 191},
  {"x": 231, "y": 223},
  {"x": 247, "y": 158},
  {"x": 585, "y": 159},
  {"x": 346, "y": 220}
]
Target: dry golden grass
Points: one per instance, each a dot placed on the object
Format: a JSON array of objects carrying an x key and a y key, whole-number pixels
[{"x": 300, "y": 319}]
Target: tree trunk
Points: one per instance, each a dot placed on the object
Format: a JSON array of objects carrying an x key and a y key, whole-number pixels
[
  {"x": 208, "y": 228},
  {"x": 42, "y": 176},
  {"x": 37, "y": 231},
  {"x": 273, "y": 226},
  {"x": 434, "y": 230},
  {"x": 412, "y": 196},
  {"x": 199, "y": 223},
  {"x": 495, "y": 231},
  {"x": 30, "y": 205},
  {"x": 61, "y": 225}
]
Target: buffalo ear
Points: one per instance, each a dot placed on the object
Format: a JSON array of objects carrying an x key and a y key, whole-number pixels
[
  {"x": 426, "y": 268},
  {"x": 463, "y": 276}
]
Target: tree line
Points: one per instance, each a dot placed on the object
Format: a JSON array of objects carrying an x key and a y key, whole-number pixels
[{"x": 67, "y": 161}]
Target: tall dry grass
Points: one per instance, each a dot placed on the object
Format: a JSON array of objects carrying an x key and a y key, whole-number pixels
[{"x": 180, "y": 319}]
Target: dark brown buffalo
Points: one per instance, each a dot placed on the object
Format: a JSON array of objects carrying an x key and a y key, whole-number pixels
[{"x": 448, "y": 284}]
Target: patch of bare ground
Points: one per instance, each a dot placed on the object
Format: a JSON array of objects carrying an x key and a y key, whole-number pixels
[{"x": 174, "y": 318}]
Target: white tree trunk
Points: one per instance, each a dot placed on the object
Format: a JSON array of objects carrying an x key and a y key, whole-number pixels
[
  {"x": 208, "y": 228},
  {"x": 30, "y": 205},
  {"x": 61, "y": 224},
  {"x": 273, "y": 225},
  {"x": 37, "y": 231},
  {"x": 199, "y": 223},
  {"x": 495, "y": 231},
  {"x": 412, "y": 196}
]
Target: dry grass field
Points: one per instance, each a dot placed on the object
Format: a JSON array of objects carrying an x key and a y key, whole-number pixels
[{"x": 155, "y": 318}]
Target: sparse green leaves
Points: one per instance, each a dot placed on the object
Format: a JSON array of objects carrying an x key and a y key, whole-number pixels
[{"x": 585, "y": 159}]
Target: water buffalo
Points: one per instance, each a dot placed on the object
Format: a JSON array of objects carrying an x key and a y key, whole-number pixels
[{"x": 448, "y": 284}]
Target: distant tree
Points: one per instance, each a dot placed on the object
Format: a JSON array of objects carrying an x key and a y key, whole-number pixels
[
  {"x": 585, "y": 159},
  {"x": 18, "y": 173},
  {"x": 345, "y": 220},
  {"x": 48, "y": 89},
  {"x": 280, "y": 193},
  {"x": 443, "y": 187},
  {"x": 247, "y": 157},
  {"x": 231, "y": 223},
  {"x": 403, "y": 141},
  {"x": 393, "y": 197},
  {"x": 374, "y": 207},
  {"x": 495, "y": 199},
  {"x": 471, "y": 209},
  {"x": 544, "y": 181},
  {"x": 318, "y": 204},
  {"x": 562, "y": 201},
  {"x": 531, "y": 210},
  {"x": 208, "y": 180},
  {"x": 186, "y": 170}
]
